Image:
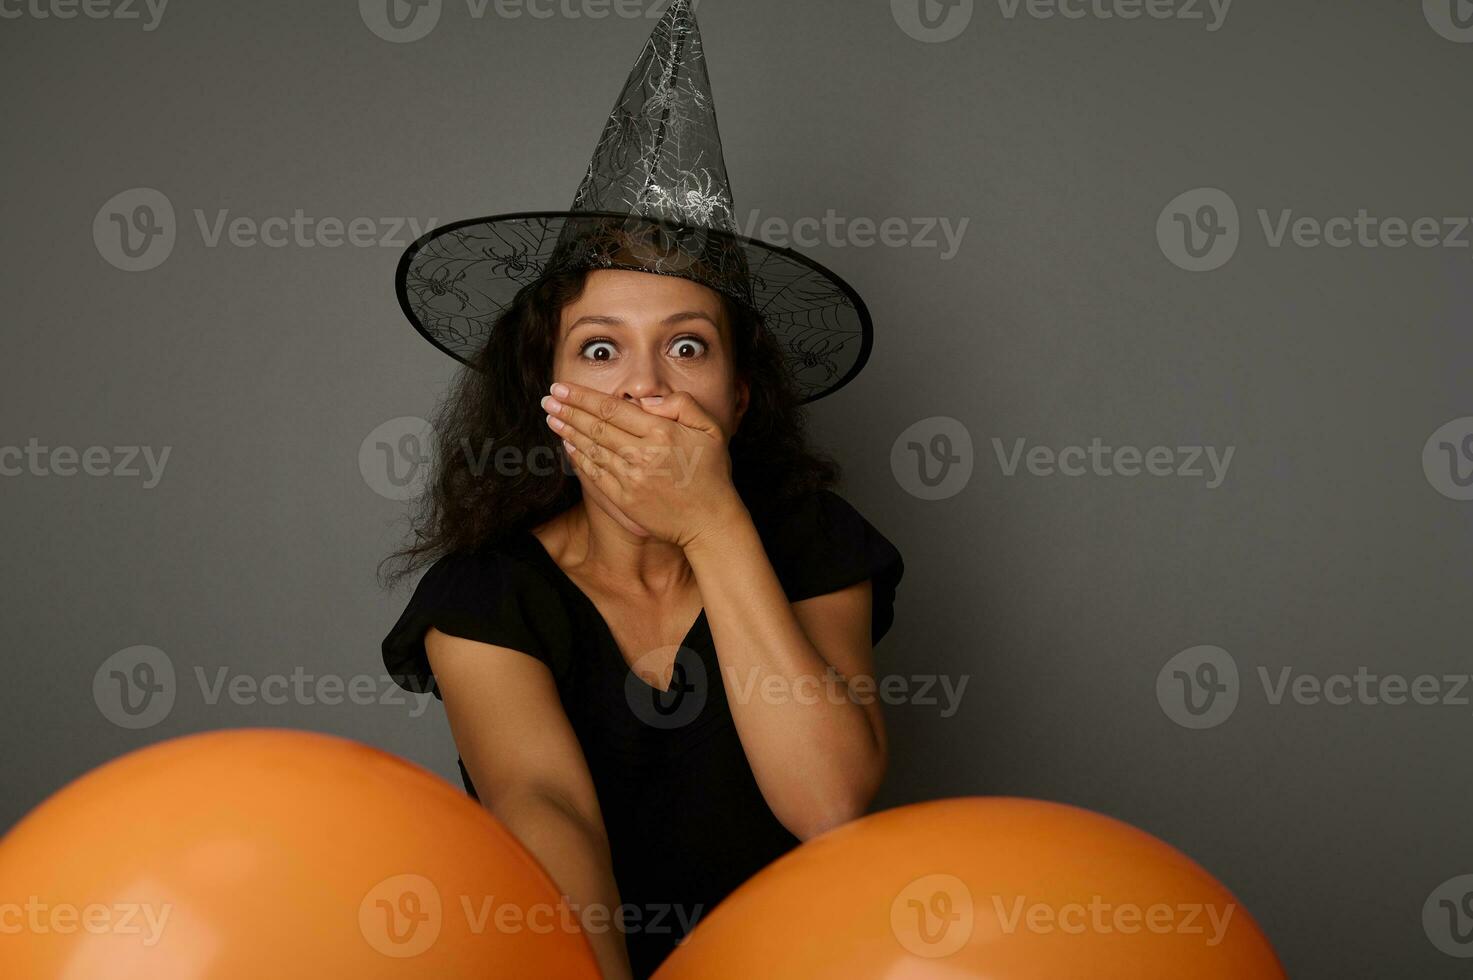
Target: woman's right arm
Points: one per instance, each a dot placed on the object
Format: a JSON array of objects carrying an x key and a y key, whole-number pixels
[{"x": 530, "y": 773}]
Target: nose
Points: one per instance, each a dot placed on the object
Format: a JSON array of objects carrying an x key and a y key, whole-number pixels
[{"x": 643, "y": 378}]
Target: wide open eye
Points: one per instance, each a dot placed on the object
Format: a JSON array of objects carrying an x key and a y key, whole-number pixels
[
  {"x": 594, "y": 343},
  {"x": 684, "y": 343}
]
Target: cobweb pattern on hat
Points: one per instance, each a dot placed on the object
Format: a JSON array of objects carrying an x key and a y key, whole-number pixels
[
  {"x": 655, "y": 198},
  {"x": 660, "y": 152}
]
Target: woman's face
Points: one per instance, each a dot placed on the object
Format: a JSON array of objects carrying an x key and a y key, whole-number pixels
[{"x": 638, "y": 335}]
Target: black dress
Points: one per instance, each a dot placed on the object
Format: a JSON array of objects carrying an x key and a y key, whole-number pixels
[{"x": 686, "y": 820}]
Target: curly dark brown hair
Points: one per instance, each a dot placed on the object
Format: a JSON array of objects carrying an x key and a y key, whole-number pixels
[{"x": 492, "y": 412}]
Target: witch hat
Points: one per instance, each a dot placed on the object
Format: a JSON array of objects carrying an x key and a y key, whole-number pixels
[{"x": 655, "y": 198}]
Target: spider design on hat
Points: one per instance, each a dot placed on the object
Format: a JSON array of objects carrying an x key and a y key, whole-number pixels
[
  {"x": 441, "y": 284},
  {"x": 699, "y": 204},
  {"x": 516, "y": 261},
  {"x": 819, "y": 357},
  {"x": 663, "y": 98}
]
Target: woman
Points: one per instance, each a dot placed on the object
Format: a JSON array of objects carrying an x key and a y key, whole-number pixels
[
  {"x": 647, "y": 612},
  {"x": 531, "y": 642}
]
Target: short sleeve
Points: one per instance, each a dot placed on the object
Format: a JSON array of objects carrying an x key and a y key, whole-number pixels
[
  {"x": 824, "y": 544},
  {"x": 487, "y": 596}
]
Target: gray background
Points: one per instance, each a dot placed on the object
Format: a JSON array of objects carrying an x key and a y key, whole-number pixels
[{"x": 1060, "y": 320}]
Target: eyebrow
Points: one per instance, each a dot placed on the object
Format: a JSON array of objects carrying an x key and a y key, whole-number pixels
[{"x": 617, "y": 322}]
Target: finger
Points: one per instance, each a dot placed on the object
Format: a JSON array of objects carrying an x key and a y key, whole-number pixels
[
  {"x": 593, "y": 471},
  {"x": 596, "y": 411},
  {"x": 682, "y": 407},
  {"x": 590, "y": 451},
  {"x": 594, "y": 437},
  {"x": 664, "y": 407}
]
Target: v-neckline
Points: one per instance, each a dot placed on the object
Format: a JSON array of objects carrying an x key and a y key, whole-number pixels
[{"x": 546, "y": 557}]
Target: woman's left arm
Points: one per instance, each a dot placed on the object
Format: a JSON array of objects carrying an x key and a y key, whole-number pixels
[{"x": 798, "y": 676}]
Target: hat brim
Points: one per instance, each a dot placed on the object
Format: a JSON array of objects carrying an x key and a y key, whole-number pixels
[{"x": 455, "y": 281}]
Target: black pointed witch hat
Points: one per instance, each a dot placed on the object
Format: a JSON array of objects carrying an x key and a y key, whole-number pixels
[{"x": 655, "y": 199}]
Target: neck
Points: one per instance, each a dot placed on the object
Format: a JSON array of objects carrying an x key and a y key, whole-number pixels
[{"x": 598, "y": 545}]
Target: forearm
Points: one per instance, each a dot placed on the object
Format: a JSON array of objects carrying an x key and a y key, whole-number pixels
[
  {"x": 811, "y": 746},
  {"x": 577, "y": 857}
]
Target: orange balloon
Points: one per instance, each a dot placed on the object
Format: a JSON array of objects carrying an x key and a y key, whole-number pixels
[
  {"x": 270, "y": 853},
  {"x": 994, "y": 887}
]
